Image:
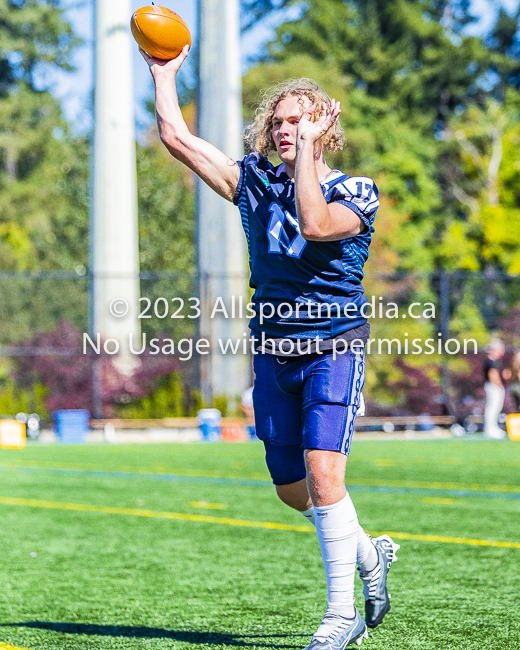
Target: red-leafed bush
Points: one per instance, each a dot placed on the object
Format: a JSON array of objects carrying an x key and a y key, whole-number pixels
[{"x": 56, "y": 360}]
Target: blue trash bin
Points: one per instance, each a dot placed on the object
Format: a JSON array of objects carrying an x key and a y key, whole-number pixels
[
  {"x": 209, "y": 423},
  {"x": 72, "y": 426}
]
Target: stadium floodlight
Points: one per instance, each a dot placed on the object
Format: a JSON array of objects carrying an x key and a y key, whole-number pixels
[{"x": 221, "y": 253}]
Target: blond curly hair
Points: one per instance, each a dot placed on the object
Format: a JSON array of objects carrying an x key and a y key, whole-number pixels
[{"x": 258, "y": 135}]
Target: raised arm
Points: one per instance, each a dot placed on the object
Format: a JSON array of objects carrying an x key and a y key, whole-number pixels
[
  {"x": 216, "y": 169},
  {"x": 318, "y": 220}
]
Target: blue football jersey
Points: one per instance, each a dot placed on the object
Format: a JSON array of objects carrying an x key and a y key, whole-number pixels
[{"x": 323, "y": 278}]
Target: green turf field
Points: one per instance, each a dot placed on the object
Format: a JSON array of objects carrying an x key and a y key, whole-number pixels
[{"x": 179, "y": 547}]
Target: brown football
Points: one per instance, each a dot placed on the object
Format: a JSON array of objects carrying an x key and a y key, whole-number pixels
[{"x": 160, "y": 31}]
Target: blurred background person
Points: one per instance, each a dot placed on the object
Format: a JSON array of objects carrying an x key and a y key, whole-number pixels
[{"x": 494, "y": 389}]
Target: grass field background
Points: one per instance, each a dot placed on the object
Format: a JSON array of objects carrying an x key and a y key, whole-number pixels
[{"x": 151, "y": 574}]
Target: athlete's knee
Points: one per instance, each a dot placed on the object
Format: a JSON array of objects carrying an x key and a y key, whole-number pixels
[
  {"x": 295, "y": 495},
  {"x": 325, "y": 476}
]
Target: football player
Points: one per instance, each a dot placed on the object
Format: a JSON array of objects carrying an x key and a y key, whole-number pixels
[{"x": 308, "y": 230}]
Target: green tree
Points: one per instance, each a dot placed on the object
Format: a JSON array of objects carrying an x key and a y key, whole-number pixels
[
  {"x": 401, "y": 69},
  {"x": 406, "y": 73},
  {"x": 166, "y": 210},
  {"x": 167, "y": 401},
  {"x": 13, "y": 400},
  {"x": 38, "y": 158},
  {"x": 33, "y": 36},
  {"x": 504, "y": 38},
  {"x": 413, "y": 54},
  {"x": 482, "y": 174},
  {"x": 166, "y": 233},
  {"x": 32, "y": 33}
]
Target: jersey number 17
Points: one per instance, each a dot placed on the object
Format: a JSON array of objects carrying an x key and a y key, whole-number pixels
[{"x": 275, "y": 230}]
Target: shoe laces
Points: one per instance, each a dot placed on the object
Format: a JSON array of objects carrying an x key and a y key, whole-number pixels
[{"x": 331, "y": 625}]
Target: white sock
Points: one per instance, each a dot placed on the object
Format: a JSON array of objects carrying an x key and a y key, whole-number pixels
[
  {"x": 337, "y": 529},
  {"x": 367, "y": 557},
  {"x": 309, "y": 515}
]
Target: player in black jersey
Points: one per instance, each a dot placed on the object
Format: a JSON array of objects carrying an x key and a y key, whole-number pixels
[{"x": 308, "y": 229}]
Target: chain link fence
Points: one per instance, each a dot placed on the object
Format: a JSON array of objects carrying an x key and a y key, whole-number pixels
[{"x": 44, "y": 315}]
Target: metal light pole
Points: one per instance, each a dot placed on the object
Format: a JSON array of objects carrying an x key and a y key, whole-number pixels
[
  {"x": 113, "y": 208},
  {"x": 220, "y": 239}
]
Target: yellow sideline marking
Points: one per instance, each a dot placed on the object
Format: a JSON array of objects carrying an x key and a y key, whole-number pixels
[
  {"x": 206, "y": 505},
  {"x": 431, "y": 485},
  {"x": 453, "y": 540},
  {"x": 435, "y": 485},
  {"x": 453, "y": 461},
  {"x": 6, "y": 646},
  {"x": 57, "y": 505}
]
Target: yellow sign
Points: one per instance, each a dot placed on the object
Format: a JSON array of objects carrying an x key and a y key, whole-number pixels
[
  {"x": 513, "y": 426},
  {"x": 12, "y": 434}
]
